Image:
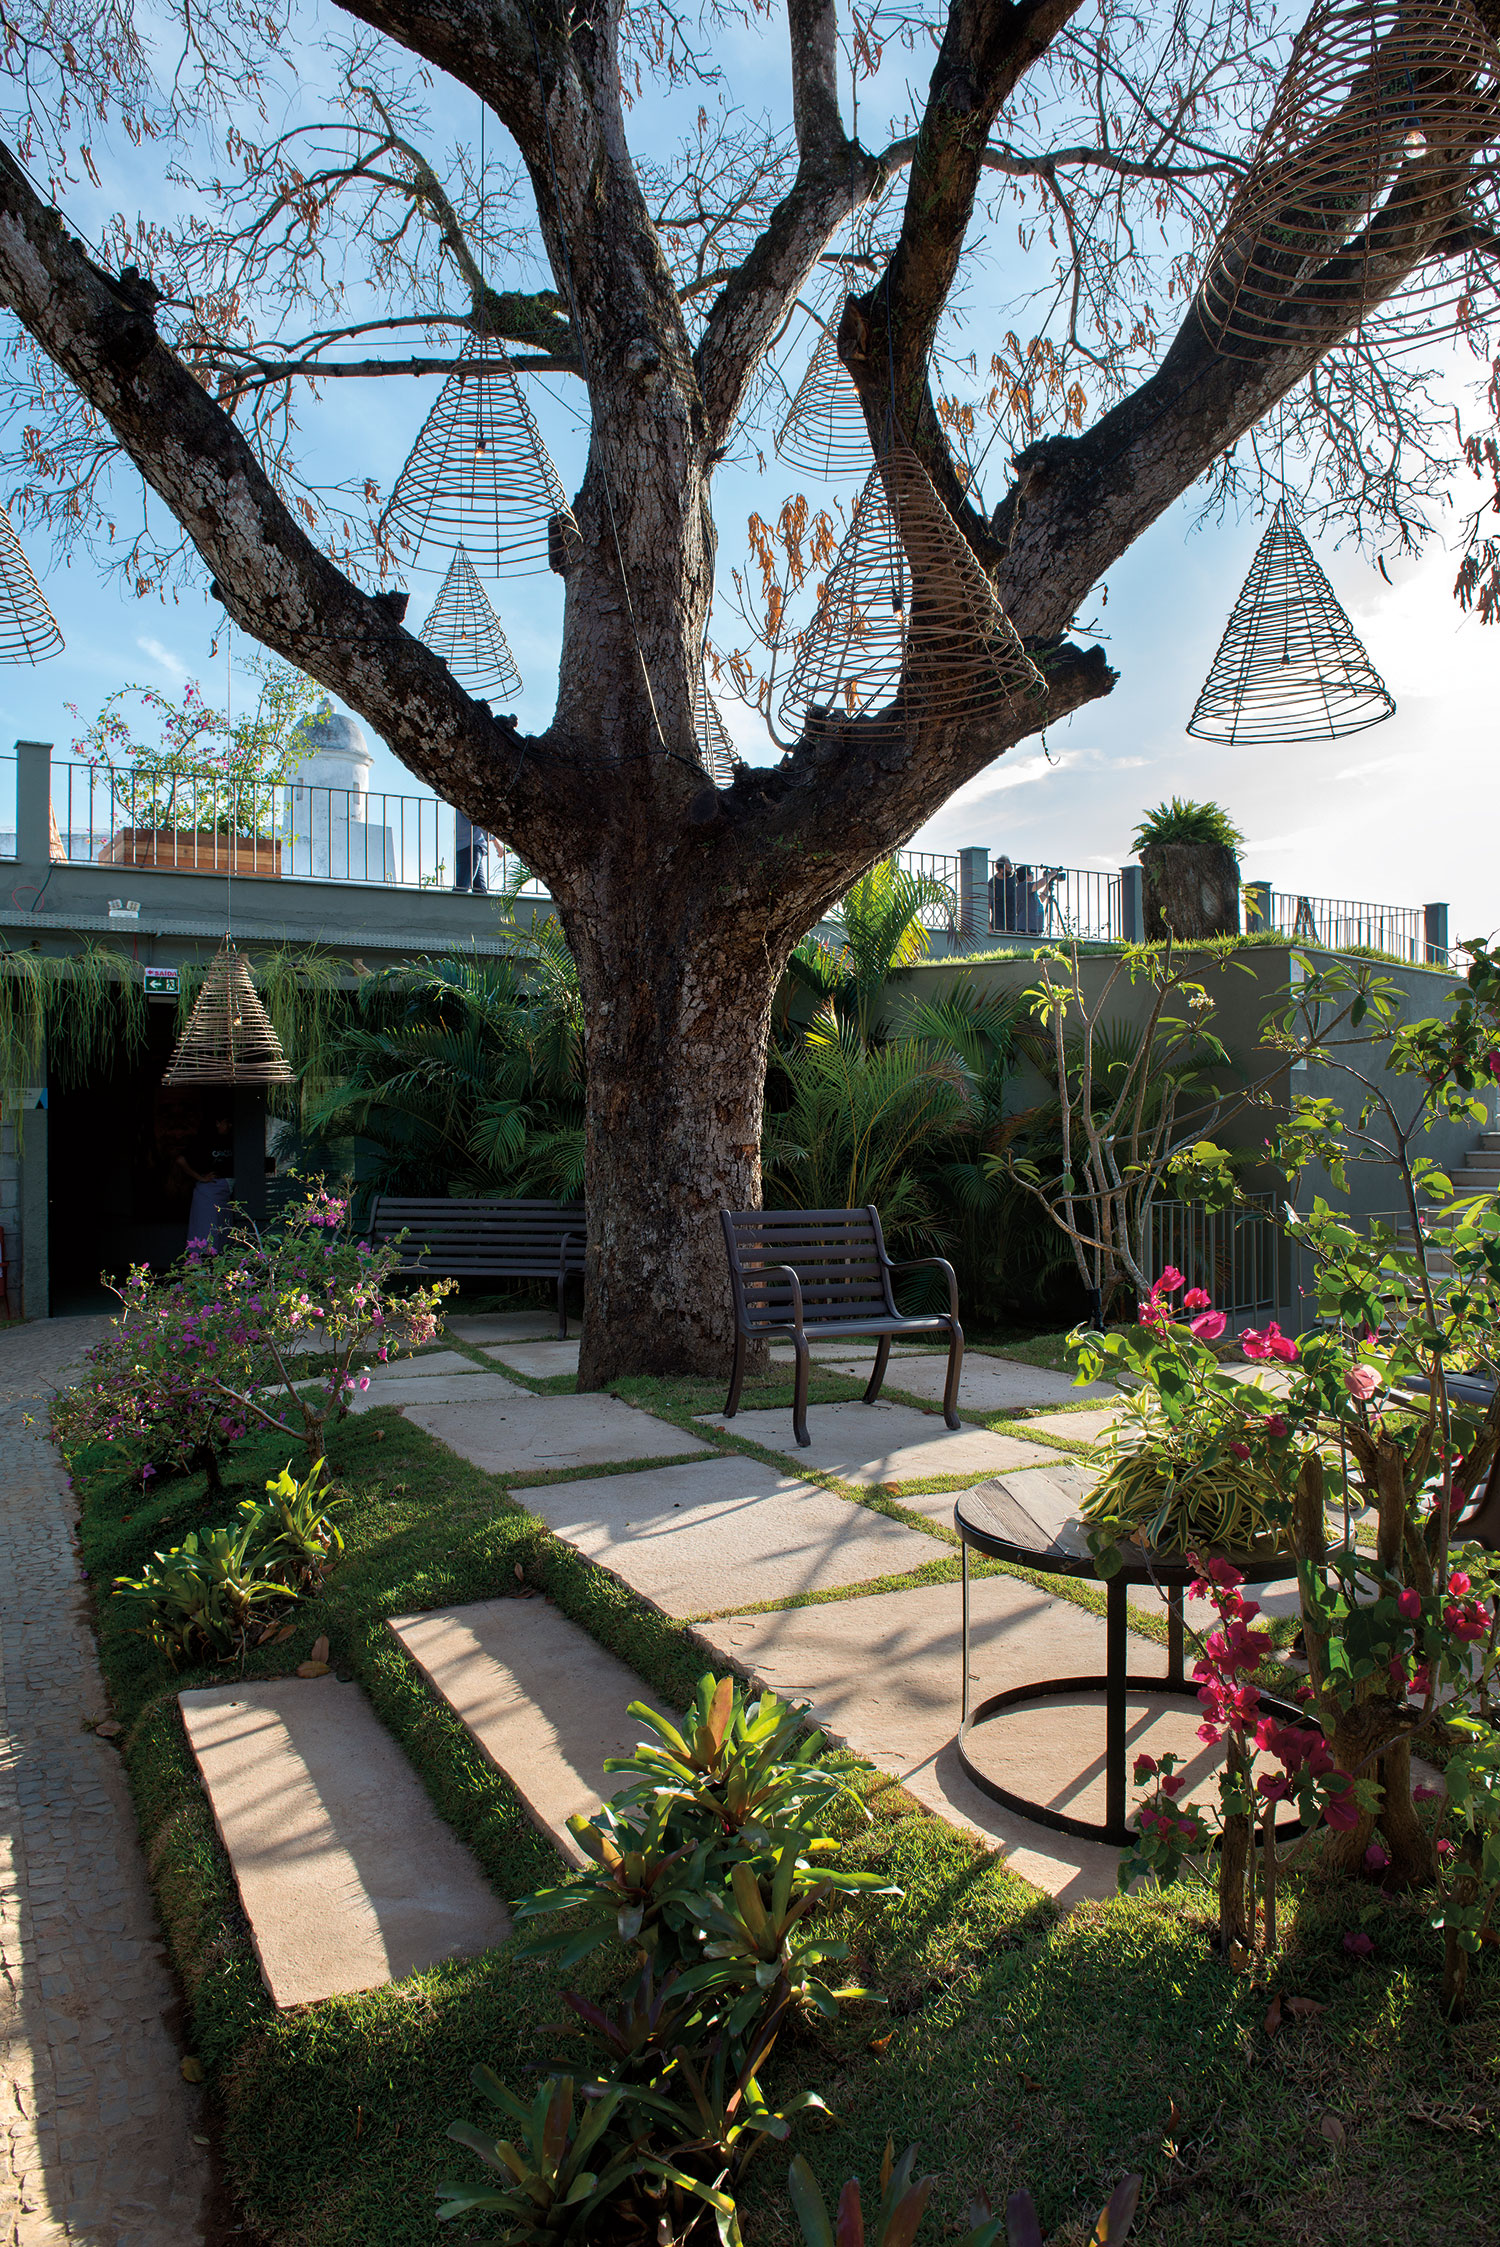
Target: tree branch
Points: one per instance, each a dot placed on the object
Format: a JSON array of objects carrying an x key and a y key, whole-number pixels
[{"x": 270, "y": 577}]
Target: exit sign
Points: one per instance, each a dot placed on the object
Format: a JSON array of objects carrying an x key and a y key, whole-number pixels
[{"x": 163, "y": 982}]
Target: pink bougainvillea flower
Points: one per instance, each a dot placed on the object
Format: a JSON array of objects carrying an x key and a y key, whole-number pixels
[
  {"x": 1225, "y": 1574},
  {"x": 1196, "y": 1299},
  {"x": 1239, "y": 1450},
  {"x": 1208, "y": 1326},
  {"x": 1169, "y": 1282},
  {"x": 1466, "y": 1623},
  {"x": 1174, "y": 1785},
  {"x": 1425, "y": 1791},
  {"x": 1145, "y": 1768},
  {"x": 1275, "y": 1425},
  {"x": 1492, "y": 1061},
  {"x": 1268, "y": 1342},
  {"x": 1341, "y": 1812},
  {"x": 1459, "y": 1583},
  {"x": 1359, "y": 1945},
  {"x": 1376, "y": 1858},
  {"x": 1410, "y": 1603},
  {"x": 1362, "y": 1381}
]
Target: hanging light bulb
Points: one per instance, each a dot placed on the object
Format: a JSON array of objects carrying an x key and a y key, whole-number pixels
[{"x": 1416, "y": 143}]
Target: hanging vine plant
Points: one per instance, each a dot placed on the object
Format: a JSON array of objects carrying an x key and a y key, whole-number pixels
[{"x": 60, "y": 1012}]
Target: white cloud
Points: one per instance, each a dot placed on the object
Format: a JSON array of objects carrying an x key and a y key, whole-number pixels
[{"x": 172, "y": 664}]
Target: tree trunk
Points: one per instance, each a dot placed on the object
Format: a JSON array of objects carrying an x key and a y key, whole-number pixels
[
  {"x": 1191, "y": 889},
  {"x": 678, "y": 1023}
]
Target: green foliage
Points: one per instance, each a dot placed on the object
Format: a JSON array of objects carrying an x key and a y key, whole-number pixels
[
  {"x": 205, "y": 770},
  {"x": 708, "y": 1868},
  {"x": 1181, "y": 820},
  {"x": 878, "y": 927},
  {"x": 203, "y": 1595},
  {"x": 297, "y": 1519},
  {"x": 465, "y": 1074},
  {"x": 61, "y": 1012},
  {"x": 903, "y": 2204}
]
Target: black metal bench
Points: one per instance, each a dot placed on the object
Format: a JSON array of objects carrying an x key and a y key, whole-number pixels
[
  {"x": 825, "y": 1273},
  {"x": 464, "y": 1240}
]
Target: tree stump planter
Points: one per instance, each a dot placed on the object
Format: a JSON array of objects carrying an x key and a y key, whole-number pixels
[{"x": 1191, "y": 889}]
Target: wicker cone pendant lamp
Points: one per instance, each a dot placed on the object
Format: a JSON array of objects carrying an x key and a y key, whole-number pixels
[
  {"x": 479, "y": 476},
  {"x": 1380, "y": 145},
  {"x": 228, "y": 1039},
  {"x": 825, "y": 430},
  {"x": 1290, "y": 666},
  {"x": 28, "y": 630},
  {"x": 464, "y": 630},
  {"x": 908, "y": 629}
]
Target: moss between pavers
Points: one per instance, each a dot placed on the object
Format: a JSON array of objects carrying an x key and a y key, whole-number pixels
[{"x": 1013, "y": 2049}]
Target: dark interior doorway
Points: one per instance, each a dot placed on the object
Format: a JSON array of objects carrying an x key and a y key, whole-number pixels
[{"x": 122, "y": 1155}]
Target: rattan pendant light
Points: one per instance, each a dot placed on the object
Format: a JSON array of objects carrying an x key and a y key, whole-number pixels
[
  {"x": 464, "y": 630},
  {"x": 28, "y": 630},
  {"x": 1380, "y": 142},
  {"x": 825, "y": 430},
  {"x": 908, "y": 630},
  {"x": 229, "y": 1039},
  {"x": 479, "y": 476},
  {"x": 1290, "y": 666}
]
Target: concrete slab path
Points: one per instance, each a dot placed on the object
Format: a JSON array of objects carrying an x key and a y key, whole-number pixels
[
  {"x": 540, "y": 1433},
  {"x": 984, "y": 1384},
  {"x": 542, "y": 1360},
  {"x": 473, "y": 1387},
  {"x": 544, "y": 1701},
  {"x": 1072, "y": 1427},
  {"x": 723, "y": 1532},
  {"x": 888, "y": 1443},
  {"x": 428, "y": 1367},
  {"x": 98, "y": 2130},
  {"x": 502, "y": 1326},
  {"x": 348, "y": 1876}
]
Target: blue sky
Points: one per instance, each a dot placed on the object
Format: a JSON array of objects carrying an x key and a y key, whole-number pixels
[{"x": 1403, "y": 813}]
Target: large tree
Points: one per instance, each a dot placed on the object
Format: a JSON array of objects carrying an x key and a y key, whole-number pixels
[{"x": 171, "y": 345}]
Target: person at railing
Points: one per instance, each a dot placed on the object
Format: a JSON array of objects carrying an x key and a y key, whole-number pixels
[
  {"x": 211, "y": 1169},
  {"x": 471, "y": 850},
  {"x": 1019, "y": 898}
]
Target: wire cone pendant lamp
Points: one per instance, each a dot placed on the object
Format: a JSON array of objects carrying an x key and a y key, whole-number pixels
[
  {"x": 464, "y": 630},
  {"x": 825, "y": 430},
  {"x": 229, "y": 1039},
  {"x": 908, "y": 629},
  {"x": 1290, "y": 666},
  {"x": 711, "y": 735},
  {"x": 479, "y": 475},
  {"x": 1379, "y": 146},
  {"x": 29, "y": 631}
]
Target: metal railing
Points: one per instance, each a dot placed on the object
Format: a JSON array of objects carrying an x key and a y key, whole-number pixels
[
  {"x": 1056, "y": 901},
  {"x": 936, "y": 866},
  {"x": 1336, "y": 923},
  {"x": 1236, "y": 1255},
  {"x": 203, "y": 824}
]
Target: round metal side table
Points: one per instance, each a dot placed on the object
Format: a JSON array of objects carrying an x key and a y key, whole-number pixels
[{"x": 992, "y": 1520}]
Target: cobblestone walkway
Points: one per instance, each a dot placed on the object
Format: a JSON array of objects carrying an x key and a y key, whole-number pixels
[{"x": 99, "y": 2127}]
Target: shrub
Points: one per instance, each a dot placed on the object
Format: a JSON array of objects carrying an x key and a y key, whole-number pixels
[{"x": 1180, "y": 820}]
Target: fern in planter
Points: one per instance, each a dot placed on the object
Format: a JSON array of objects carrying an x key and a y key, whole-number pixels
[{"x": 1180, "y": 820}]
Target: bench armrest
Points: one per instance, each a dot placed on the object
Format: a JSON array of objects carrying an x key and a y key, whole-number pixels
[
  {"x": 568, "y": 1241},
  {"x": 786, "y": 1272},
  {"x": 931, "y": 1264}
]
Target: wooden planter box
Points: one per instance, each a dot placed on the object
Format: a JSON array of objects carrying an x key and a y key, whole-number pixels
[{"x": 193, "y": 850}]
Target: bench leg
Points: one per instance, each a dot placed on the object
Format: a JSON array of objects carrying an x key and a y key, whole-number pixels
[
  {"x": 955, "y": 1367},
  {"x": 882, "y": 1360},
  {"x": 562, "y": 1306},
  {"x": 736, "y": 1377},
  {"x": 799, "y": 1391}
]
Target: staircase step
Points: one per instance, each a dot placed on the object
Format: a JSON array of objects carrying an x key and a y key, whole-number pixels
[{"x": 348, "y": 1876}]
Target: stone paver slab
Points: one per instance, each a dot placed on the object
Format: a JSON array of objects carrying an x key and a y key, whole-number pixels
[
  {"x": 544, "y": 1701},
  {"x": 881, "y": 1442},
  {"x": 863, "y": 1352},
  {"x": 1073, "y": 1427},
  {"x": 428, "y": 1366},
  {"x": 408, "y": 1388},
  {"x": 502, "y": 1326},
  {"x": 348, "y": 1876},
  {"x": 725, "y": 1532},
  {"x": 542, "y": 1360},
  {"x": 882, "y": 1674},
  {"x": 527, "y": 1432},
  {"x": 984, "y": 1384}
]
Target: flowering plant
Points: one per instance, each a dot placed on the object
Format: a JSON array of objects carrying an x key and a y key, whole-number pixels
[
  {"x": 1195, "y": 1456},
  {"x": 200, "y": 1357},
  {"x": 206, "y": 770}
]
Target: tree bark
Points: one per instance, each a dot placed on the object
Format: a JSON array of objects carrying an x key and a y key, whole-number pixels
[{"x": 1191, "y": 889}]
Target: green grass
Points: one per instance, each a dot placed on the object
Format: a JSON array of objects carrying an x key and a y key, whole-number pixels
[{"x": 1014, "y": 2046}]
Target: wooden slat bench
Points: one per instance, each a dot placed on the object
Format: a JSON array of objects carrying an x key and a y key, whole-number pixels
[
  {"x": 825, "y": 1273},
  {"x": 463, "y": 1240}
]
